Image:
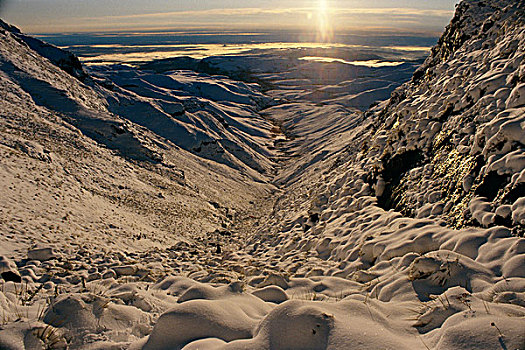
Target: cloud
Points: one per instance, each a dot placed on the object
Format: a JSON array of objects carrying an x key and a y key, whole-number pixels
[
  {"x": 304, "y": 17},
  {"x": 207, "y": 13},
  {"x": 2, "y": 3},
  {"x": 395, "y": 11},
  {"x": 240, "y": 12}
]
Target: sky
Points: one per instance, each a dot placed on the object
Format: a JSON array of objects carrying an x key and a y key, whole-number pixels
[{"x": 325, "y": 16}]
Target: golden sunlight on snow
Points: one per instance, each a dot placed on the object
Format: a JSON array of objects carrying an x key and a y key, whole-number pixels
[{"x": 368, "y": 63}]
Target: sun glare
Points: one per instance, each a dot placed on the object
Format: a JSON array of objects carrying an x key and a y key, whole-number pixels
[
  {"x": 324, "y": 25},
  {"x": 323, "y": 6}
]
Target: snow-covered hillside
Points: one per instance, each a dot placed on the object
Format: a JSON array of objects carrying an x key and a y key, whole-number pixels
[
  {"x": 460, "y": 121},
  {"x": 351, "y": 77},
  {"x": 178, "y": 210}
]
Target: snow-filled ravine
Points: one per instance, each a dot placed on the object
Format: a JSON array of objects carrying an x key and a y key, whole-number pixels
[{"x": 149, "y": 208}]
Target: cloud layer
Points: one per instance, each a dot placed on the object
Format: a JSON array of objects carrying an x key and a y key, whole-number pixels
[{"x": 244, "y": 18}]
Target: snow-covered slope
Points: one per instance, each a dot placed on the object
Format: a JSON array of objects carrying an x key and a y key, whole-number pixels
[
  {"x": 446, "y": 150},
  {"x": 451, "y": 143},
  {"x": 372, "y": 237},
  {"x": 214, "y": 118},
  {"x": 348, "y": 78},
  {"x": 63, "y": 59},
  {"x": 82, "y": 183}
]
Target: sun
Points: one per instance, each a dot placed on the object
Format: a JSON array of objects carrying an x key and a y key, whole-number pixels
[
  {"x": 323, "y": 6},
  {"x": 324, "y": 25}
]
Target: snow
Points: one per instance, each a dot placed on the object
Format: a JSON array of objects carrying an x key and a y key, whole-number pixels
[
  {"x": 181, "y": 210},
  {"x": 354, "y": 78},
  {"x": 370, "y": 63},
  {"x": 41, "y": 254}
]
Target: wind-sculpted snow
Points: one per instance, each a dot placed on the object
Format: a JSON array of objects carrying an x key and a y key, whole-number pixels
[
  {"x": 214, "y": 118},
  {"x": 397, "y": 228},
  {"x": 462, "y": 122}
]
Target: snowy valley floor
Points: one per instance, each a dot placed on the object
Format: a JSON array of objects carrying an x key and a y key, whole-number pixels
[{"x": 313, "y": 263}]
